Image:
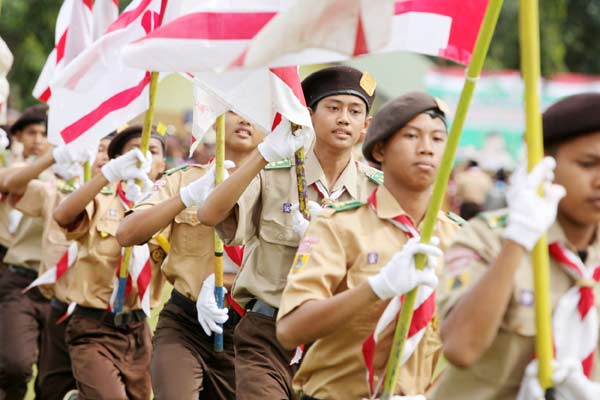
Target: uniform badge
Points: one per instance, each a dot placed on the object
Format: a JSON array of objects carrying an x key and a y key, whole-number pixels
[
  {"x": 157, "y": 255},
  {"x": 526, "y": 297},
  {"x": 300, "y": 261},
  {"x": 112, "y": 212},
  {"x": 287, "y": 208},
  {"x": 457, "y": 281},
  {"x": 159, "y": 183},
  {"x": 372, "y": 258}
]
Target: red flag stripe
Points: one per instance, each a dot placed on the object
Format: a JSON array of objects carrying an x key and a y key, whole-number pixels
[
  {"x": 128, "y": 17},
  {"x": 360, "y": 44},
  {"x": 143, "y": 280},
  {"x": 60, "y": 46},
  {"x": 289, "y": 76},
  {"x": 89, "y": 4}
]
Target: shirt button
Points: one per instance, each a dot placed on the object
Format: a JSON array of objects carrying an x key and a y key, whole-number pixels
[{"x": 194, "y": 219}]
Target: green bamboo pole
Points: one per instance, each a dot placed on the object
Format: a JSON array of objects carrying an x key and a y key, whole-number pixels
[
  {"x": 474, "y": 69},
  {"x": 530, "y": 69}
]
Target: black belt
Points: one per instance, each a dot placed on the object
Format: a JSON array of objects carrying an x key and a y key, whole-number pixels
[
  {"x": 189, "y": 307},
  {"x": 61, "y": 306},
  {"x": 260, "y": 307},
  {"x": 109, "y": 318},
  {"x": 3, "y": 251},
  {"x": 26, "y": 272},
  {"x": 305, "y": 397}
]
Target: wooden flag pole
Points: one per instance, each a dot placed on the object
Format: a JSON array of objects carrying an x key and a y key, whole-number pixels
[
  {"x": 219, "y": 175},
  {"x": 301, "y": 179},
  {"x": 474, "y": 69},
  {"x": 530, "y": 69},
  {"x": 144, "y": 147}
]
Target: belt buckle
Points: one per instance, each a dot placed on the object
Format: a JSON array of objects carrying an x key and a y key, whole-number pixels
[{"x": 121, "y": 319}]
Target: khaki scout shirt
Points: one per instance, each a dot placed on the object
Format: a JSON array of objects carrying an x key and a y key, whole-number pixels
[
  {"x": 192, "y": 254},
  {"x": 339, "y": 251},
  {"x": 99, "y": 254},
  {"x": 473, "y": 185},
  {"x": 26, "y": 248},
  {"x": 262, "y": 221},
  {"x": 5, "y": 236},
  {"x": 498, "y": 373},
  {"x": 38, "y": 201}
]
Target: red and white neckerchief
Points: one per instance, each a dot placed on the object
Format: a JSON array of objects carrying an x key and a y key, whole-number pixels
[
  {"x": 140, "y": 271},
  {"x": 67, "y": 260},
  {"x": 326, "y": 197},
  {"x": 127, "y": 204},
  {"x": 236, "y": 255},
  {"x": 422, "y": 316},
  {"x": 575, "y": 319}
]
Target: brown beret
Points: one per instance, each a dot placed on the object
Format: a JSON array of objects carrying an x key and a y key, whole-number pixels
[
  {"x": 571, "y": 117},
  {"x": 37, "y": 114},
  {"x": 395, "y": 114},
  {"x": 120, "y": 140},
  {"x": 338, "y": 80}
]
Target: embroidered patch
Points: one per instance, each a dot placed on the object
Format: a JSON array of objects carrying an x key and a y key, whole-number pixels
[
  {"x": 159, "y": 183},
  {"x": 300, "y": 261},
  {"x": 455, "y": 282},
  {"x": 306, "y": 243},
  {"x": 459, "y": 259},
  {"x": 112, "y": 212},
  {"x": 157, "y": 255},
  {"x": 526, "y": 297},
  {"x": 372, "y": 258},
  {"x": 286, "y": 208}
]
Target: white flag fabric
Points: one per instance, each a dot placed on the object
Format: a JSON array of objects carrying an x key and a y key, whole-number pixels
[
  {"x": 6, "y": 60},
  {"x": 73, "y": 34},
  {"x": 254, "y": 33},
  {"x": 105, "y": 12},
  {"x": 97, "y": 93}
]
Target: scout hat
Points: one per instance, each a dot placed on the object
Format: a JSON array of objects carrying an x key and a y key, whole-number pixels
[
  {"x": 571, "y": 117},
  {"x": 338, "y": 80},
  {"x": 37, "y": 114},
  {"x": 395, "y": 114},
  {"x": 122, "y": 137}
]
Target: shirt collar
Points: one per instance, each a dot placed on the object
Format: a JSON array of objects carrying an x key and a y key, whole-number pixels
[{"x": 348, "y": 179}]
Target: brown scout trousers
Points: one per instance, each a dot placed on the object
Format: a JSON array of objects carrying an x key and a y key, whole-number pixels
[
  {"x": 262, "y": 365},
  {"x": 184, "y": 364},
  {"x": 22, "y": 320},
  {"x": 55, "y": 376},
  {"x": 111, "y": 360}
]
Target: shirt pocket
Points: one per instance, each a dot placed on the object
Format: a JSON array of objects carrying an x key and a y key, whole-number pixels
[
  {"x": 188, "y": 233},
  {"x": 276, "y": 232},
  {"x": 106, "y": 244}
]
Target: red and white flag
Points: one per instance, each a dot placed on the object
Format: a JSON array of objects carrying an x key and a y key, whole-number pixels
[
  {"x": 6, "y": 60},
  {"x": 54, "y": 274},
  {"x": 105, "y": 13},
  {"x": 139, "y": 271},
  {"x": 73, "y": 35},
  {"x": 97, "y": 93},
  {"x": 271, "y": 33}
]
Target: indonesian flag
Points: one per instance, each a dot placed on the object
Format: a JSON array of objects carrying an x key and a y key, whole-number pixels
[
  {"x": 105, "y": 13},
  {"x": 6, "y": 60},
  {"x": 73, "y": 35},
  {"x": 264, "y": 33},
  {"x": 96, "y": 93},
  {"x": 54, "y": 274},
  {"x": 139, "y": 271}
]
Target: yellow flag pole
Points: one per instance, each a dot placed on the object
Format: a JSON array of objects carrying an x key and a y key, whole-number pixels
[
  {"x": 530, "y": 69},
  {"x": 144, "y": 146},
  {"x": 474, "y": 69},
  {"x": 219, "y": 175}
]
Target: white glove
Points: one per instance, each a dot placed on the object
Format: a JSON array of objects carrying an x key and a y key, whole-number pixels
[
  {"x": 67, "y": 171},
  {"x": 300, "y": 223},
  {"x": 282, "y": 143},
  {"x": 126, "y": 167},
  {"x": 195, "y": 193},
  {"x": 70, "y": 155},
  {"x": 209, "y": 314},
  {"x": 529, "y": 214},
  {"x": 400, "y": 276},
  {"x": 136, "y": 193},
  {"x": 4, "y": 142}
]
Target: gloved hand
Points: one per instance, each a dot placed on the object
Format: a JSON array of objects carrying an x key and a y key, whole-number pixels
[
  {"x": 4, "y": 142},
  {"x": 529, "y": 214},
  {"x": 134, "y": 192},
  {"x": 209, "y": 314},
  {"x": 69, "y": 155},
  {"x": 67, "y": 171},
  {"x": 300, "y": 224},
  {"x": 282, "y": 143},
  {"x": 126, "y": 167},
  {"x": 195, "y": 193},
  {"x": 400, "y": 276}
]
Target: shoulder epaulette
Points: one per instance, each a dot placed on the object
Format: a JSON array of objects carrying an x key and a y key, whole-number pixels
[
  {"x": 345, "y": 205},
  {"x": 64, "y": 187},
  {"x": 286, "y": 163},
  {"x": 495, "y": 219},
  {"x": 181, "y": 167},
  {"x": 456, "y": 218},
  {"x": 106, "y": 190},
  {"x": 376, "y": 177}
]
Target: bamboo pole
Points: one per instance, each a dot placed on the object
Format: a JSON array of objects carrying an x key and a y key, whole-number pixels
[
  {"x": 219, "y": 175},
  {"x": 144, "y": 146},
  {"x": 530, "y": 69},
  {"x": 474, "y": 69}
]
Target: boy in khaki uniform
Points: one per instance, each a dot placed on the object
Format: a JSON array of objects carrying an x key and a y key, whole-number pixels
[
  {"x": 184, "y": 363},
  {"x": 36, "y": 198},
  {"x": 488, "y": 327},
  {"x": 110, "y": 353},
  {"x": 356, "y": 256},
  {"x": 22, "y": 316},
  {"x": 255, "y": 207}
]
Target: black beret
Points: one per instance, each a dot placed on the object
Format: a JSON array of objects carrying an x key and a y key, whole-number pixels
[
  {"x": 571, "y": 117},
  {"x": 121, "y": 138},
  {"x": 37, "y": 114},
  {"x": 395, "y": 114},
  {"x": 338, "y": 80}
]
